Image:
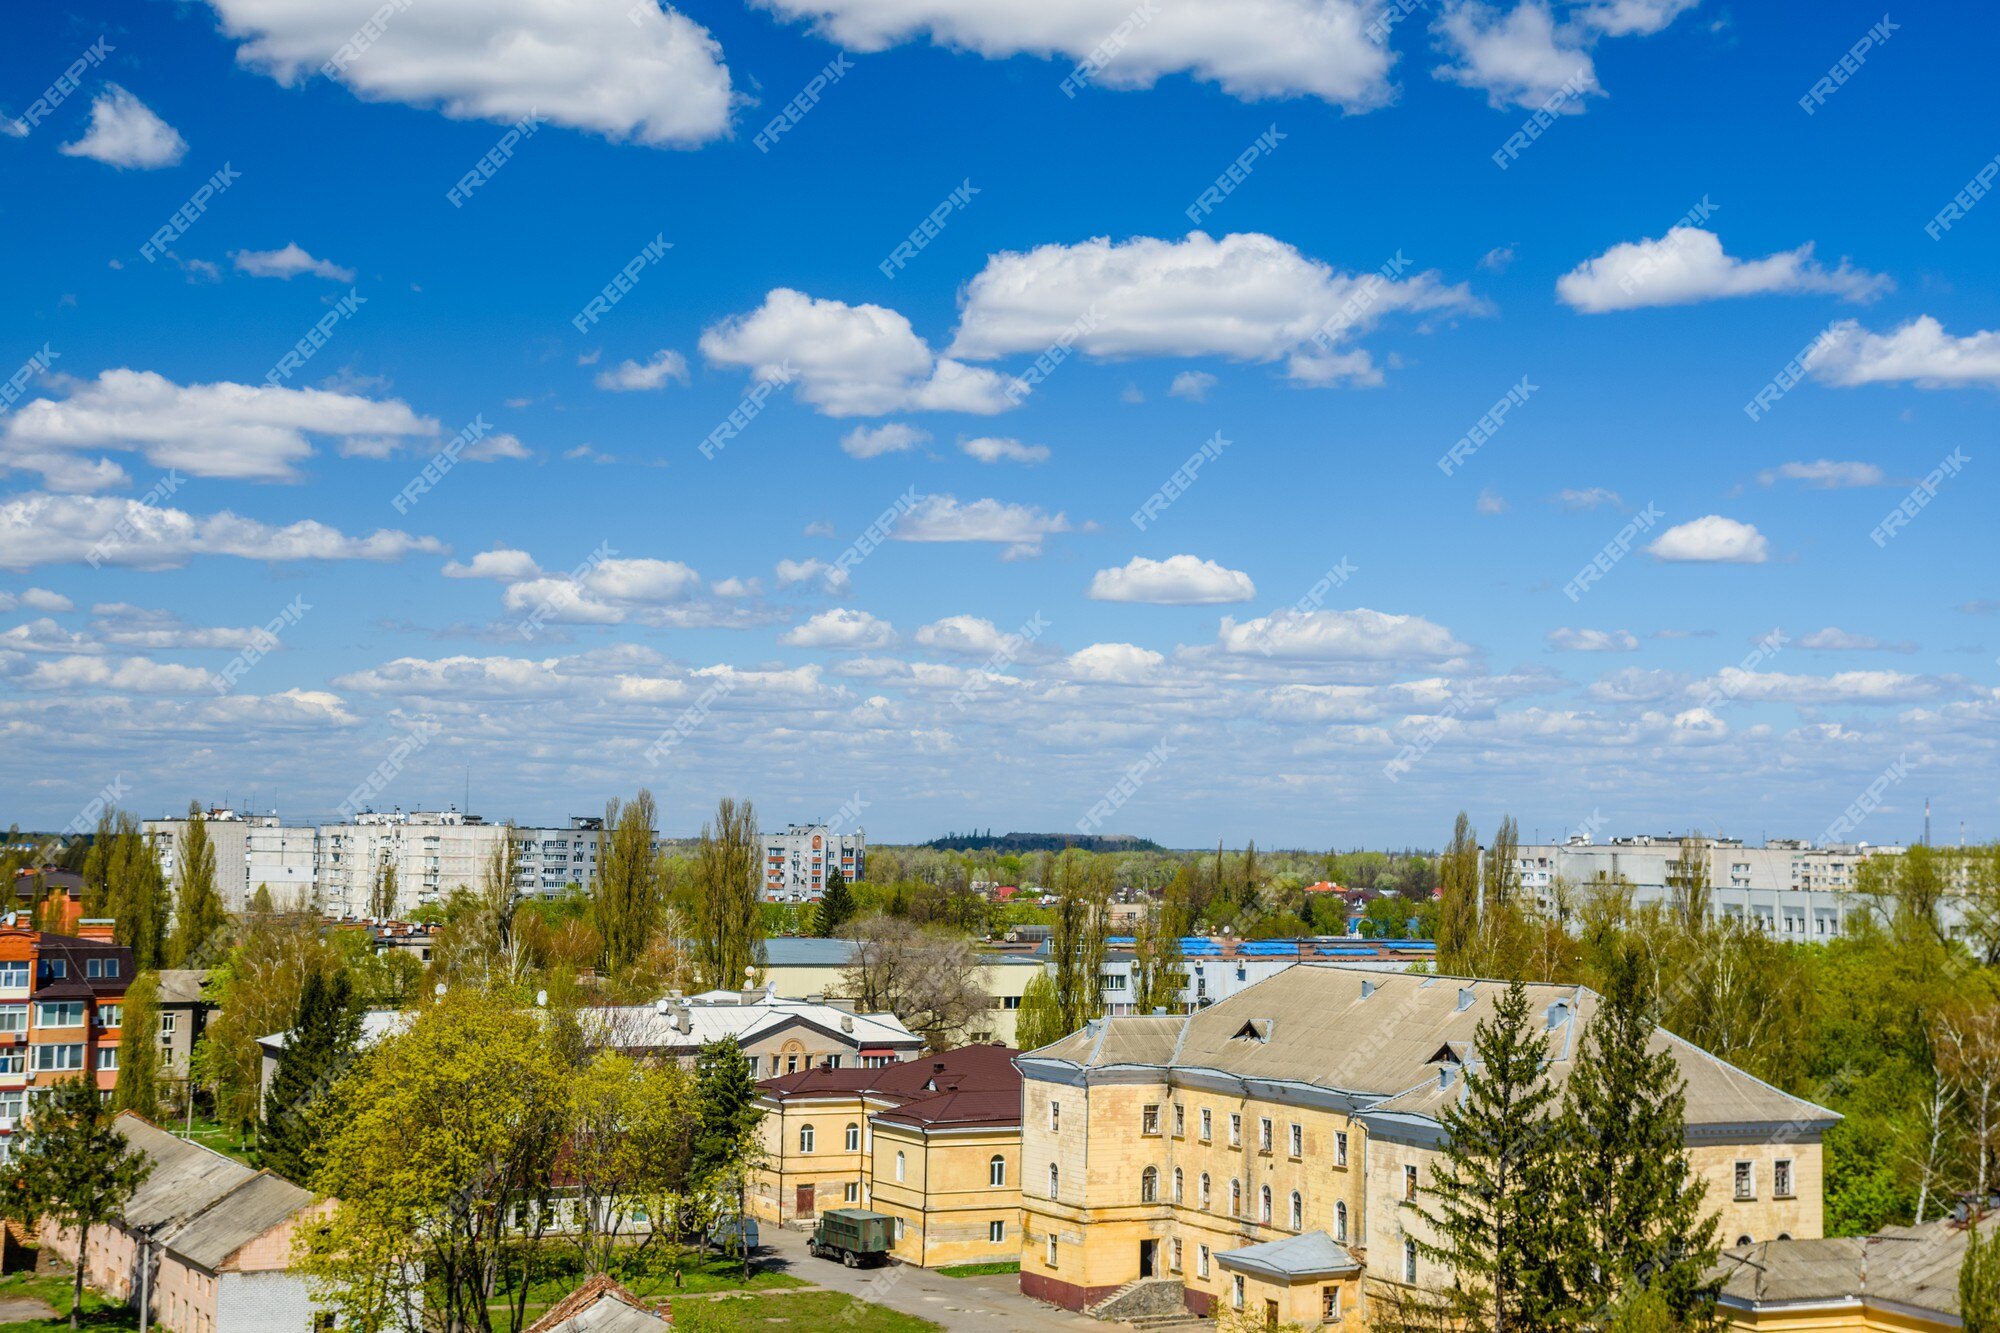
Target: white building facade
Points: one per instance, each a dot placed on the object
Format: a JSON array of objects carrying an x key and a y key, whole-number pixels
[
  {"x": 250, "y": 851},
  {"x": 797, "y": 861}
]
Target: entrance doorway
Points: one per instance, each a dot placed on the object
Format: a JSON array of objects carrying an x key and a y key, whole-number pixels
[
  {"x": 805, "y": 1208},
  {"x": 1148, "y": 1257}
]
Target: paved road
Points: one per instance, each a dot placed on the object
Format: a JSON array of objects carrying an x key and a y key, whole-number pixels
[{"x": 962, "y": 1304}]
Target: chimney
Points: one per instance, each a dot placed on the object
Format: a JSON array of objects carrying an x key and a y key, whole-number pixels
[
  {"x": 1368, "y": 988},
  {"x": 1464, "y": 999},
  {"x": 1558, "y": 1014},
  {"x": 847, "y": 1023}
]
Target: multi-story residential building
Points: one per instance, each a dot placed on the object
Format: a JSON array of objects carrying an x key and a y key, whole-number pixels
[
  {"x": 1788, "y": 888},
  {"x": 934, "y": 1143},
  {"x": 1265, "y": 1152},
  {"x": 251, "y": 851},
  {"x": 796, "y": 861},
  {"x": 802, "y": 966},
  {"x": 437, "y": 852},
  {"x": 62, "y": 999},
  {"x": 184, "y": 1012}
]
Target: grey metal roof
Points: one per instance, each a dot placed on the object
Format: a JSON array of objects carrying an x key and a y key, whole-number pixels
[
  {"x": 254, "y": 1208},
  {"x": 1915, "y": 1267},
  {"x": 199, "y": 1205},
  {"x": 1313, "y": 1254},
  {"x": 181, "y": 985},
  {"x": 805, "y": 951}
]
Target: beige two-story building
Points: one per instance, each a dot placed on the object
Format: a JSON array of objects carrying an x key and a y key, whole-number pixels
[{"x": 1267, "y": 1152}]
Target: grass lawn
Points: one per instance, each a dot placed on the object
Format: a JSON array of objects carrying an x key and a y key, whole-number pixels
[
  {"x": 780, "y": 1312},
  {"x": 981, "y": 1270},
  {"x": 209, "y": 1134},
  {"x": 697, "y": 1278},
  {"x": 98, "y": 1313}
]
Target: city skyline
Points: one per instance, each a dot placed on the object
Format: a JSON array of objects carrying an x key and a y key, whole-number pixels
[{"x": 1086, "y": 418}]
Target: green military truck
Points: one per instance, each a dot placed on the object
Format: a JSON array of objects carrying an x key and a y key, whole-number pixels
[{"x": 855, "y": 1236}]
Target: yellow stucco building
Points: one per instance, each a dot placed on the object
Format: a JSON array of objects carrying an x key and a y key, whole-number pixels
[
  {"x": 1265, "y": 1152},
  {"x": 934, "y": 1143}
]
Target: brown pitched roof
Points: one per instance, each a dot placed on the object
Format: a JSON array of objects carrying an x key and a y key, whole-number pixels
[
  {"x": 600, "y": 1306},
  {"x": 1000, "y": 1109},
  {"x": 971, "y": 1085}
]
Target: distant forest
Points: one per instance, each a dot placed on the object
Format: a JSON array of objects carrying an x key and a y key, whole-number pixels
[{"x": 1040, "y": 842}]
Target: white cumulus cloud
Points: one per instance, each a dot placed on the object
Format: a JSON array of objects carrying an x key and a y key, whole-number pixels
[
  {"x": 632, "y": 376},
  {"x": 1179, "y": 580},
  {"x": 1519, "y": 58},
  {"x": 124, "y": 132},
  {"x": 288, "y": 263},
  {"x": 643, "y": 72},
  {"x": 1918, "y": 352},
  {"x": 1688, "y": 265},
  {"x": 941, "y": 518},
  {"x": 841, "y": 628},
  {"x": 40, "y": 529},
  {"x": 1567, "y": 640},
  {"x": 509, "y": 566},
  {"x": 999, "y": 449},
  {"x": 1712, "y": 539},
  {"x": 892, "y": 437},
  {"x": 1823, "y": 474},
  {"x": 1360, "y": 635}
]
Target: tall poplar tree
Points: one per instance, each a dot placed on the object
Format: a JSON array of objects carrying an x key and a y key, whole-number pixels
[
  {"x": 199, "y": 916},
  {"x": 1081, "y": 931},
  {"x": 1631, "y": 1191},
  {"x": 728, "y": 919},
  {"x": 1039, "y": 1019},
  {"x": 626, "y": 897},
  {"x": 136, "y": 894},
  {"x": 1458, "y": 909},
  {"x": 138, "y": 1086}
]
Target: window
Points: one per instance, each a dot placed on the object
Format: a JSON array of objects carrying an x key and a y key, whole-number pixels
[
  {"x": 1052, "y": 1252},
  {"x": 1297, "y": 1144},
  {"x": 10, "y": 1106},
  {"x": 1744, "y": 1240},
  {"x": 791, "y": 1064},
  {"x": 1235, "y": 1130},
  {"x": 1409, "y": 1261},
  {"x": 1055, "y": 1180},
  {"x": 1329, "y": 1305},
  {"x": 1180, "y": 1182},
  {"x": 107, "y": 1057},
  {"x": 58, "y": 1057},
  {"x": 853, "y": 1138},
  {"x": 1055, "y": 1117},
  {"x": 110, "y": 1015},
  {"x": 1236, "y": 1291},
  {"x": 1236, "y": 1198},
  {"x": 1114, "y": 981},
  {"x": 59, "y": 1014},
  {"x": 1264, "y": 1134},
  {"x": 1149, "y": 1119},
  {"x": 13, "y": 1018},
  {"x": 899, "y": 1231},
  {"x": 1175, "y": 1252},
  {"x": 1204, "y": 1196},
  {"x": 1409, "y": 1183},
  {"x": 1298, "y": 1211},
  {"x": 1180, "y": 1121},
  {"x": 168, "y": 1024},
  {"x": 851, "y": 1192},
  {"x": 1207, "y": 1124},
  {"x": 899, "y": 1165},
  {"x": 1010, "y": 1002},
  {"x": 805, "y": 1138},
  {"x": 1264, "y": 1205},
  {"x": 1149, "y": 1185},
  {"x": 1746, "y": 1180},
  {"x": 1340, "y": 1220},
  {"x": 1201, "y": 1260},
  {"x": 54, "y": 969},
  {"x": 13, "y": 1062},
  {"x": 996, "y": 1233},
  {"x": 996, "y": 1170},
  {"x": 1781, "y": 1178},
  {"x": 1340, "y": 1147}
]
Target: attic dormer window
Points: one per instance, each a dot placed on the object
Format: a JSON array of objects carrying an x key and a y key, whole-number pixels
[
  {"x": 1256, "y": 1029},
  {"x": 1445, "y": 1055}
]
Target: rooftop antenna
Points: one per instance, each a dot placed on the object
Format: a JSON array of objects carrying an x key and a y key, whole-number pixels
[{"x": 1927, "y": 821}]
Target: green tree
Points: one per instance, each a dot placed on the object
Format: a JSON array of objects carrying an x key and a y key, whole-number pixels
[
  {"x": 836, "y": 906},
  {"x": 134, "y": 893},
  {"x": 257, "y": 988},
  {"x": 1158, "y": 972},
  {"x": 627, "y": 896},
  {"x": 322, "y": 1041},
  {"x": 1631, "y": 1191},
  {"x": 139, "y": 1048},
  {"x": 1979, "y": 1279},
  {"x": 1458, "y": 915},
  {"x": 199, "y": 916},
  {"x": 383, "y": 894},
  {"x": 1081, "y": 929},
  {"x": 728, "y": 927},
  {"x": 1039, "y": 1020},
  {"x": 72, "y": 1167},
  {"x": 1488, "y": 1203},
  {"x": 440, "y": 1139},
  {"x": 725, "y": 1138}
]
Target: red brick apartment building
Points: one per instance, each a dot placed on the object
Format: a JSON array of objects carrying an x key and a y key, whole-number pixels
[{"x": 61, "y": 1000}]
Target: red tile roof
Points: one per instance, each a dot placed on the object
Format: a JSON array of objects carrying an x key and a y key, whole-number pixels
[{"x": 968, "y": 1085}]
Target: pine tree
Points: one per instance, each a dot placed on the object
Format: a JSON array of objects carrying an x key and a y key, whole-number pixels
[
  {"x": 321, "y": 1043},
  {"x": 199, "y": 916},
  {"x": 71, "y": 1167},
  {"x": 138, "y": 1086},
  {"x": 836, "y": 906},
  {"x": 1629, "y": 1186},
  {"x": 1487, "y": 1205}
]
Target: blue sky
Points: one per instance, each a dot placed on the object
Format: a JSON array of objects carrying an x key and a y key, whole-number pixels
[{"x": 584, "y": 602}]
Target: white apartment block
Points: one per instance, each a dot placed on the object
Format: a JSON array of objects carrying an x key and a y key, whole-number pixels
[
  {"x": 796, "y": 861},
  {"x": 1789, "y": 888},
  {"x": 333, "y": 867}
]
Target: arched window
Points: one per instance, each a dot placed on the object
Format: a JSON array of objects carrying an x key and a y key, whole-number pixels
[
  {"x": 854, "y": 1138},
  {"x": 996, "y": 1170},
  {"x": 1264, "y": 1205},
  {"x": 1179, "y": 1182},
  {"x": 1149, "y": 1185},
  {"x": 805, "y": 1138},
  {"x": 1743, "y": 1240},
  {"x": 1236, "y": 1198},
  {"x": 1204, "y": 1191},
  {"x": 1298, "y": 1211},
  {"x": 899, "y": 1165},
  {"x": 1340, "y": 1221},
  {"x": 1055, "y": 1179}
]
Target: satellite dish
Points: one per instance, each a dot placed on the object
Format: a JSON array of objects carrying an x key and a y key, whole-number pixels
[
  {"x": 541, "y": 999},
  {"x": 440, "y": 990}
]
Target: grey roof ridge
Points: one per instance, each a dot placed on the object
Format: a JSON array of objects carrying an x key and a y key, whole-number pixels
[{"x": 1826, "y": 1116}]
